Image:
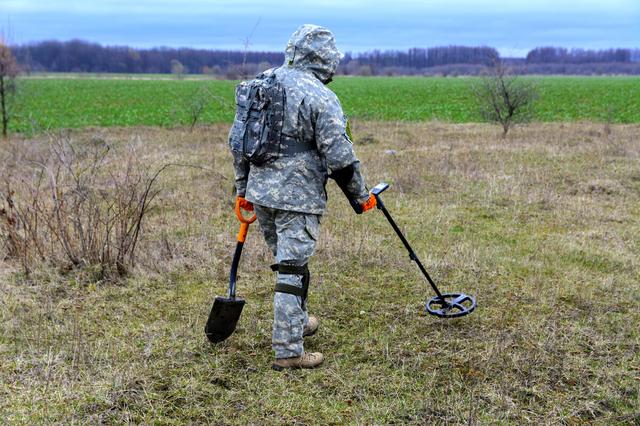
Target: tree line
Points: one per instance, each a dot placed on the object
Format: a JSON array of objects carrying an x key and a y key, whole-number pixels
[
  {"x": 425, "y": 58},
  {"x": 561, "y": 55},
  {"x": 83, "y": 56}
]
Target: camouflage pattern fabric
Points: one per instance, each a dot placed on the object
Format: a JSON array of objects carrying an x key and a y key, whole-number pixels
[
  {"x": 313, "y": 114},
  {"x": 289, "y": 193},
  {"x": 292, "y": 237},
  {"x": 257, "y": 128}
]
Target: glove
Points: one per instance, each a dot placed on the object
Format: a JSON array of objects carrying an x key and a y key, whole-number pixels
[
  {"x": 369, "y": 204},
  {"x": 243, "y": 204}
]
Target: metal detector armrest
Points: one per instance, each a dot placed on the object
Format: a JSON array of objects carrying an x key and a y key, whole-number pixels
[{"x": 379, "y": 188}]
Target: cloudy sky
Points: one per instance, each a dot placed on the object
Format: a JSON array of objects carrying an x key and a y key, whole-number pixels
[{"x": 512, "y": 26}]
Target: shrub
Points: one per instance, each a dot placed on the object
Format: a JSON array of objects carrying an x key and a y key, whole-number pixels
[
  {"x": 504, "y": 98},
  {"x": 75, "y": 205},
  {"x": 8, "y": 73}
]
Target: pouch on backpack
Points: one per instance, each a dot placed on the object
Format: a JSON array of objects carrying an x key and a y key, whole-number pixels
[{"x": 257, "y": 128}]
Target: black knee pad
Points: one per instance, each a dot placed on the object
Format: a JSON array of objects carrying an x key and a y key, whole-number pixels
[{"x": 287, "y": 269}]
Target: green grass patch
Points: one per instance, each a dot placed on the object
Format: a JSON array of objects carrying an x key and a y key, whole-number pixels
[{"x": 53, "y": 103}]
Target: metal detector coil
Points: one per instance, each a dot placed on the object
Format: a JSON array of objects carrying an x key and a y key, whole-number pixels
[
  {"x": 449, "y": 305},
  {"x": 455, "y": 305}
]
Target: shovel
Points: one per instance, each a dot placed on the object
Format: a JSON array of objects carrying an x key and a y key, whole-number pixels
[{"x": 226, "y": 311}]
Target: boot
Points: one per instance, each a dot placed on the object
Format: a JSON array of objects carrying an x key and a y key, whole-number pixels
[
  {"x": 306, "y": 360},
  {"x": 311, "y": 327}
]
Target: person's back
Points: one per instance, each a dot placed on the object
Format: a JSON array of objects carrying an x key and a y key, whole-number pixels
[
  {"x": 289, "y": 193},
  {"x": 313, "y": 120}
]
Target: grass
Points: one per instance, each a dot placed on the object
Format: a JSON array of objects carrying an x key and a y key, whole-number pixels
[
  {"x": 68, "y": 102},
  {"x": 449, "y": 99},
  {"x": 542, "y": 227}
]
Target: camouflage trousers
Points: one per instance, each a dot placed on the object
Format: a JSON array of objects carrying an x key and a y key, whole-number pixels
[{"x": 291, "y": 236}]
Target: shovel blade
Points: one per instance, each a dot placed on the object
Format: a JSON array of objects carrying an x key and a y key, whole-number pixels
[{"x": 223, "y": 318}]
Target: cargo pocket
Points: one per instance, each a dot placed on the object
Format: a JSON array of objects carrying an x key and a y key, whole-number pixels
[{"x": 312, "y": 225}]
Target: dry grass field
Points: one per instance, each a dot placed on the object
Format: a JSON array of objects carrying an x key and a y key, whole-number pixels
[{"x": 543, "y": 227}]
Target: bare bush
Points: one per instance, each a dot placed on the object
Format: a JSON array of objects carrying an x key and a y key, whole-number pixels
[
  {"x": 178, "y": 69},
  {"x": 189, "y": 108},
  {"x": 8, "y": 73},
  {"x": 75, "y": 205},
  {"x": 504, "y": 98},
  {"x": 198, "y": 103}
]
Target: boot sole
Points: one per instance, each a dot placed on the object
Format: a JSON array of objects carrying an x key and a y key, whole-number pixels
[{"x": 277, "y": 367}]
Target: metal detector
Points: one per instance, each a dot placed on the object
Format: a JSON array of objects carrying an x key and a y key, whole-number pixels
[
  {"x": 448, "y": 305},
  {"x": 226, "y": 311}
]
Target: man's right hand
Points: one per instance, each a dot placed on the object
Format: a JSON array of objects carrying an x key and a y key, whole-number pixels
[{"x": 369, "y": 204}]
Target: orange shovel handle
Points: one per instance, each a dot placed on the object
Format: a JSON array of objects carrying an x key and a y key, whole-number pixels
[
  {"x": 244, "y": 223},
  {"x": 242, "y": 233},
  {"x": 243, "y": 219}
]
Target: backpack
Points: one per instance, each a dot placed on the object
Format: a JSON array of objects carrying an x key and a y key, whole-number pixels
[{"x": 257, "y": 128}]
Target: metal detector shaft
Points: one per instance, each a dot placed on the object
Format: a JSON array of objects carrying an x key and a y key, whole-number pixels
[{"x": 412, "y": 254}]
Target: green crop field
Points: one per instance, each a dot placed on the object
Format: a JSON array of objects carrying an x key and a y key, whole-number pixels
[{"x": 54, "y": 103}]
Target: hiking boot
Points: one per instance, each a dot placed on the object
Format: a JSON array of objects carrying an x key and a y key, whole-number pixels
[
  {"x": 311, "y": 327},
  {"x": 307, "y": 360}
]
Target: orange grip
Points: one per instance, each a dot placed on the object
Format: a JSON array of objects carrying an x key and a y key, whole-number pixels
[
  {"x": 239, "y": 215},
  {"x": 242, "y": 234},
  {"x": 369, "y": 204}
]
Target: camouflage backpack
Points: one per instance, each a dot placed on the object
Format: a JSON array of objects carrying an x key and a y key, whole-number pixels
[{"x": 257, "y": 128}]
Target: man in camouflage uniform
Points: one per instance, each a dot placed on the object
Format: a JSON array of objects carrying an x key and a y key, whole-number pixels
[{"x": 289, "y": 193}]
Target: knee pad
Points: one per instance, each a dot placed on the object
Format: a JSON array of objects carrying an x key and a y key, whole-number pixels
[{"x": 303, "y": 270}]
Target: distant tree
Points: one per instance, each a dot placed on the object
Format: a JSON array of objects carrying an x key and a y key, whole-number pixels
[
  {"x": 351, "y": 67},
  {"x": 214, "y": 71},
  {"x": 365, "y": 70},
  {"x": 504, "y": 98},
  {"x": 264, "y": 65},
  {"x": 177, "y": 68},
  {"x": 8, "y": 73}
]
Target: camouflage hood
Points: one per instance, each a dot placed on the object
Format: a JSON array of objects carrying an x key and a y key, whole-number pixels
[{"x": 313, "y": 48}]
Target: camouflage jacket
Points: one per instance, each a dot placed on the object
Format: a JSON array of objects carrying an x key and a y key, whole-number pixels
[{"x": 312, "y": 114}]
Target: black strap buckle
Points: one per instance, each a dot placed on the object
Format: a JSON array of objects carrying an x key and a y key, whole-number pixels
[{"x": 287, "y": 269}]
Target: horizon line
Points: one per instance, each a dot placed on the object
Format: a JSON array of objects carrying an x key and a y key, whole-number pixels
[{"x": 211, "y": 48}]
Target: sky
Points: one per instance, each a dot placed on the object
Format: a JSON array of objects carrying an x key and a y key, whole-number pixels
[{"x": 513, "y": 27}]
